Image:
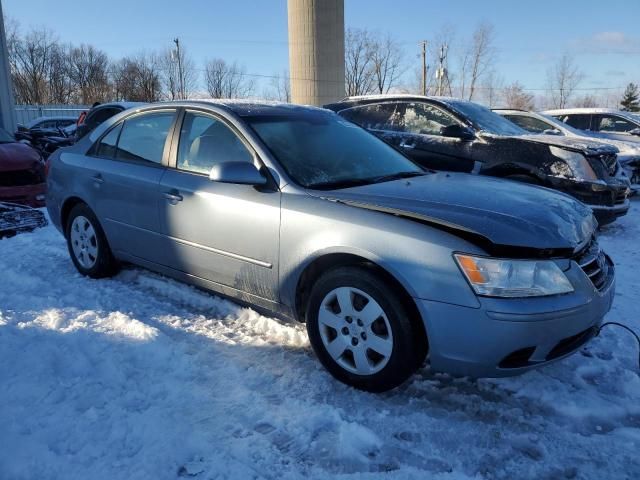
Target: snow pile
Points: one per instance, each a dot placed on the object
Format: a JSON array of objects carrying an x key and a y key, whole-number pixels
[{"x": 142, "y": 377}]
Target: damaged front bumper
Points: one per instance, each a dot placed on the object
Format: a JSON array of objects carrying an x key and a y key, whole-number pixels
[{"x": 609, "y": 200}]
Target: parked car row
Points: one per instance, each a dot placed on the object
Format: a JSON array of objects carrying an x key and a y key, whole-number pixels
[{"x": 301, "y": 213}]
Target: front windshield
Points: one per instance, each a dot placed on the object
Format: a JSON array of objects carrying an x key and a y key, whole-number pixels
[
  {"x": 487, "y": 120},
  {"x": 321, "y": 150},
  {"x": 5, "y": 137}
]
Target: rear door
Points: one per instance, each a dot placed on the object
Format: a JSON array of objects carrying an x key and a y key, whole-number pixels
[
  {"x": 225, "y": 233},
  {"x": 124, "y": 172},
  {"x": 415, "y": 128}
]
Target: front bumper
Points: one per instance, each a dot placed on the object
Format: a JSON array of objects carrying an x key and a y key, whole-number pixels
[
  {"x": 509, "y": 336},
  {"x": 608, "y": 200},
  {"x": 30, "y": 195}
]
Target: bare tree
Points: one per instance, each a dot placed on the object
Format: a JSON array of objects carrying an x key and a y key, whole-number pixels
[
  {"x": 30, "y": 61},
  {"x": 492, "y": 86},
  {"x": 386, "y": 62},
  {"x": 359, "y": 74},
  {"x": 59, "y": 80},
  {"x": 88, "y": 72},
  {"x": 279, "y": 88},
  {"x": 516, "y": 97},
  {"x": 137, "y": 78},
  {"x": 227, "y": 80},
  {"x": 563, "y": 79},
  {"x": 171, "y": 75},
  {"x": 477, "y": 60},
  {"x": 588, "y": 101}
]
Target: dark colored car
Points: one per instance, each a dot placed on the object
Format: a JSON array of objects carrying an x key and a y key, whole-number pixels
[
  {"x": 99, "y": 114},
  {"x": 22, "y": 176},
  {"x": 456, "y": 135}
]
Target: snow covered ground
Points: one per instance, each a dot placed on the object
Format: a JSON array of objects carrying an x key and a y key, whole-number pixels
[{"x": 141, "y": 377}]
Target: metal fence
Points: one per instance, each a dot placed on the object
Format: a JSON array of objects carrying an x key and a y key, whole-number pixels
[{"x": 26, "y": 113}]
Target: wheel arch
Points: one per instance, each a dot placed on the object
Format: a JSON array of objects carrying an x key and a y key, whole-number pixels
[
  {"x": 66, "y": 208},
  {"x": 330, "y": 260}
]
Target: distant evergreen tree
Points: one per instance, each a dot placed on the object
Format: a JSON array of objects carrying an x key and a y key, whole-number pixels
[{"x": 631, "y": 98}]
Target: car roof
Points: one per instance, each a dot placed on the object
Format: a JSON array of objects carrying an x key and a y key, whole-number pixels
[
  {"x": 243, "y": 108},
  {"x": 123, "y": 105},
  {"x": 569, "y": 111},
  {"x": 352, "y": 101}
]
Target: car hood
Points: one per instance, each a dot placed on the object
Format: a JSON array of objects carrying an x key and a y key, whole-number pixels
[
  {"x": 588, "y": 146},
  {"x": 17, "y": 156},
  {"x": 506, "y": 217}
]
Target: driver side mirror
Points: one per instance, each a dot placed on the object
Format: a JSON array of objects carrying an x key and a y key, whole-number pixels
[
  {"x": 241, "y": 173},
  {"x": 635, "y": 131},
  {"x": 552, "y": 131},
  {"x": 458, "y": 131}
]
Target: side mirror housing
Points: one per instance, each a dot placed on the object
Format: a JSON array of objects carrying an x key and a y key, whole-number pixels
[
  {"x": 552, "y": 131},
  {"x": 635, "y": 131},
  {"x": 458, "y": 131},
  {"x": 242, "y": 173}
]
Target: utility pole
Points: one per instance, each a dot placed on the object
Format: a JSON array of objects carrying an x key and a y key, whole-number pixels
[
  {"x": 180, "y": 77},
  {"x": 424, "y": 67},
  {"x": 441, "y": 73}
]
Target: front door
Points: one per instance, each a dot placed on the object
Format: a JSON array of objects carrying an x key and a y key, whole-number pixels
[{"x": 225, "y": 233}]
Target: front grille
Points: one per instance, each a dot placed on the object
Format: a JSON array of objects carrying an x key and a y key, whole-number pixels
[
  {"x": 20, "y": 178},
  {"x": 610, "y": 160},
  {"x": 594, "y": 263},
  {"x": 621, "y": 197}
]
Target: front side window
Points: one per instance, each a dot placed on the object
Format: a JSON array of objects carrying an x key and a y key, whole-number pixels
[
  {"x": 425, "y": 119},
  {"x": 581, "y": 122},
  {"x": 206, "y": 141},
  {"x": 323, "y": 151},
  {"x": 613, "y": 124},
  {"x": 143, "y": 137},
  {"x": 485, "y": 119},
  {"x": 530, "y": 124}
]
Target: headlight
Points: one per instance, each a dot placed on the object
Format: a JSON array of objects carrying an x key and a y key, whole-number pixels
[
  {"x": 494, "y": 277},
  {"x": 576, "y": 162}
]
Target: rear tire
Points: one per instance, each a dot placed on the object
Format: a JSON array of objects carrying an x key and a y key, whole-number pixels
[
  {"x": 87, "y": 244},
  {"x": 362, "y": 332}
]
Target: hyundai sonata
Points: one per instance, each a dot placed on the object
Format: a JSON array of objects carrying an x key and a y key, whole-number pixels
[{"x": 303, "y": 214}]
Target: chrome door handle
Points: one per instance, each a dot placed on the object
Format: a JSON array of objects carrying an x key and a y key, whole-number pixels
[{"x": 173, "y": 197}]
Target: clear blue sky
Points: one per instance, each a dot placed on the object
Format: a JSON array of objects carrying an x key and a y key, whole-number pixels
[{"x": 530, "y": 35}]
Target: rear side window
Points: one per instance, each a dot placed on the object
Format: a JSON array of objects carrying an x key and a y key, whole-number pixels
[
  {"x": 613, "y": 123},
  {"x": 381, "y": 116},
  {"x": 582, "y": 122},
  {"x": 530, "y": 124},
  {"x": 143, "y": 137},
  {"x": 106, "y": 148},
  {"x": 424, "y": 119}
]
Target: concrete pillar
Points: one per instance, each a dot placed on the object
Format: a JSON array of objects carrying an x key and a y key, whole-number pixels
[
  {"x": 316, "y": 51},
  {"x": 7, "y": 110}
]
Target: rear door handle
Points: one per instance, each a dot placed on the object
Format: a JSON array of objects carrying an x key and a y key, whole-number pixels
[
  {"x": 173, "y": 197},
  {"x": 97, "y": 179}
]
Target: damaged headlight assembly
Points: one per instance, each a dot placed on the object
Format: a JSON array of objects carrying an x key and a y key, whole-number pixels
[
  {"x": 573, "y": 165},
  {"x": 493, "y": 277}
]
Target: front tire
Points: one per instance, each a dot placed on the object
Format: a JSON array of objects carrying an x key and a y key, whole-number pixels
[
  {"x": 361, "y": 331},
  {"x": 87, "y": 244}
]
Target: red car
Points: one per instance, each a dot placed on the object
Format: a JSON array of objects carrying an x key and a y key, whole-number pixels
[{"x": 22, "y": 175}]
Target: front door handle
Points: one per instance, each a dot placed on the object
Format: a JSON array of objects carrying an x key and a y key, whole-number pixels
[
  {"x": 408, "y": 146},
  {"x": 173, "y": 197}
]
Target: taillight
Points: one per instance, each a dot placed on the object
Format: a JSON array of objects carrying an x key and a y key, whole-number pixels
[{"x": 81, "y": 118}]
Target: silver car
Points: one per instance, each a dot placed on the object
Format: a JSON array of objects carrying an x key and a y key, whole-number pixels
[{"x": 302, "y": 214}]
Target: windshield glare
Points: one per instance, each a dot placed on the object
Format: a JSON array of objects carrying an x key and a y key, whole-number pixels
[
  {"x": 320, "y": 149},
  {"x": 486, "y": 120}
]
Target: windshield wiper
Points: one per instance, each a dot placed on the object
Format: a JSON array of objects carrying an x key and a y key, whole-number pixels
[
  {"x": 397, "y": 176},
  {"x": 337, "y": 184}
]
